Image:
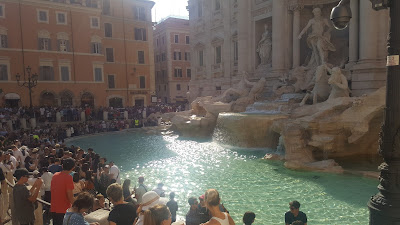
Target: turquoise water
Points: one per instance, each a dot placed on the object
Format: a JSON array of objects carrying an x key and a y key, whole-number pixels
[{"x": 245, "y": 182}]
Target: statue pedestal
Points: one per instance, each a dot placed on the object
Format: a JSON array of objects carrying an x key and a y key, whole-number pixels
[
  {"x": 32, "y": 121},
  {"x": 105, "y": 115},
  {"x": 23, "y": 123},
  {"x": 126, "y": 115},
  {"x": 58, "y": 117},
  {"x": 83, "y": 117}
]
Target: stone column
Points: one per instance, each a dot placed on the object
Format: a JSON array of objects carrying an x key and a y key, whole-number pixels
[
  {"x": 243, "y": 36},
  {"x": 278, "y": 35},
  {"x": 83, "y": 116},
  {"x": 296, "y": 31},
  {"x": 369, "y": 26},
  {"x": 289, "y": 41},
  {"x": 105, "y": 115},
  {"x": 354, "y": 32},
  {"x": 58, "y": 117},
  {"x": 23, "y": 123},
  {"x": 32, "y": 121}
]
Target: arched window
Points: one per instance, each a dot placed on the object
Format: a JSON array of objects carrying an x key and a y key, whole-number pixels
[
  {"x": 44, "y": 41},
  {"x": 63, "y": 42},
  {"x": 87, "y": 99}
]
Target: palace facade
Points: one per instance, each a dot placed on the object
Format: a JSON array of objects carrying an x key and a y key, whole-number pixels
[{"x": 85, "y": 52}]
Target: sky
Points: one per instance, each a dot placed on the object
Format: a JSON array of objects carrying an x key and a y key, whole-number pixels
[{"x": 165, "y": 8}]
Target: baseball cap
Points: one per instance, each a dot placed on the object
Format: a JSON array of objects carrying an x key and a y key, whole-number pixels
[{"x": 21, "y": 172}]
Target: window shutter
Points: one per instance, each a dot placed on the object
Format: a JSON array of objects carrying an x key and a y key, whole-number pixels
[
  {"x": 100, "y": 49},
  {"x": 51, "y": 77},
  {"x": 49, "y": 44},
  {"x": 144, "y": 35},
  {"x": 59, "y": 45},
  {"x": 41, "y": 73},
  {"x": 5, "y": 41},
  {"x": 40, "y": 44},
  {"x": 68, "y": 46}
]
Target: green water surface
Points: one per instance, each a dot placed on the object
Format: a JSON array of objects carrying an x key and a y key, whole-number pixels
[{"x": 244, "y": 180}]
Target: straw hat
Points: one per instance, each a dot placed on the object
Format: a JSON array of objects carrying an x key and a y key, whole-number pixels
[{"x": 151, "y": 198}]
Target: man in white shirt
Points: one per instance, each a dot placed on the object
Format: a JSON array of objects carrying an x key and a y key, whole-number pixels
[
  {"x": 114, "y": 171},
  {"x": 17, "y": 154}
]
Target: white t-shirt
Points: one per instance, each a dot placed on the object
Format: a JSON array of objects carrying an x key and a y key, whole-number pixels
[
  {"x": 14, "y": 162},
  {"x": 114, "y": 171},
  {"x": 46, "y": 177},
  {"x": 18, "y": 156}
]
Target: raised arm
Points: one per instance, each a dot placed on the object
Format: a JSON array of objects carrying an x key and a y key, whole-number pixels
[{"x": 305, "y": 29}]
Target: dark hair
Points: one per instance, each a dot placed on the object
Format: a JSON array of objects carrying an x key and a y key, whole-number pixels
[
  {"x": 156, "y": 215},
  {"x": 294, "y": 204},
  {"x": 68, "y": 164},
  {"x": 248, "y": 218},
  {"x": 298, "y": 222},
  {"x": 172, "y": 195},
  {"x": 192, "y": 200},
  {"x": 84, "y": 200},
  {"x": 88, "y": 176},
  {"x": 75, "y": 177}
]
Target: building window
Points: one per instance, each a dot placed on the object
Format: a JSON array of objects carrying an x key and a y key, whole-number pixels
[
  {"x": 3, "y": 41},
  {"x": 187, "y": 56},
  {"x": 44, "y": 44},
  {"x": 2, "y": 11},
  {"x": 106, "y": 7},
  {"x": 141, "y": 57},
  {"x": 189, "y": 73},
  {"x": 94, "y": 22},
  {"x": 3, "y": 72},
  {"x": 110, "y": 54},
  {"x": 157, "y": 41},
  {"x": 177, "y": 55},
  {"x": 163, "y": 40},
  {"x": 91, "y": 3},
  {"x": 111, "y": 81},
  {"x": 64, "y": 71},
  {"x": 201, "y": 59},
  {"x": 217, "y": 5},
  {"x": 163, "y": 58},
  {"x": 164, "y": 76},
  {"x": 178, "y": 87},
  {"x": 218, "y": 57},
  {"x": 176, "y": 39},
  {"x": 42, "y": 16},
  {"x": 178, "y": 72},
  {"x": 96, "y": 48},
  {"x": 46, "y": 73},
  {"x": 235, "y": 51},
  {"x": 187, "y": 40},
  {"x": 142, "y": 82},
  {"x": 165, "y": 89},
  {"x": 140, "y": 13},
  {"x": 140, "y": 34},
  {"x": 61, "y": 18},
  {"x": 108, "y": 30},
  {"x": 63, "y": 45},
  {"x": 98, "y": 74},
  {"x": 218, "y": 88}
]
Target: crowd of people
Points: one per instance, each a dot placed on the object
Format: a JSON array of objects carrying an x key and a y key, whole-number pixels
[
  {"x": 67, "y": 182},
  {"x": 73, "y": 114}
]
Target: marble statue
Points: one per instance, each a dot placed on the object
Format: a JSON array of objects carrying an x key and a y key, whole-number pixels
[
  {"x": 264, "y": 46},
  {"x": 319, "y": 39},
  {"x": 320, "y": 86},
  {"x": 338, "y": 82},
  {"x": 242, "y": 89},
  {"x": 257, "y": 89}
]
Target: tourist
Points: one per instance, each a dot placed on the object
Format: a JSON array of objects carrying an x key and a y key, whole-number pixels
[
  {"x": 192, "y": 217},
  {"x": 159, "y": 190},
  {"x": 213, "y": 200},
  {"x": 105, "y": 180},
  {"x": 89, "y": 183},
  {"x": 114, "y": 172},
  {"x": 248, "y": 218},
  {"x": 204, "y": 214},
  {"x": 297, "y": 222},
  {"x": 79, "y": 185},
  {"x": 46, "y": 177},
  {"x": 295, "y": 214},
  {"x": 62, "y": 196},
  {"x": 157, "y": 215},
  {"x": 127, "y": 191},
  {"x": 123, "y": 213},
  {"x": 17, "y": 153},
  {"x": 75, "y": 214},
  {"x": 55, "y": 165},
  {"x": 99, "y": 202},
  {"x": 172, "y": 206},
  {"x": 149, "y": 200},
  {"x": 24, "y": 198},
  {"x": 3, "y": 183},
  {"x": 141, "y": 190}
]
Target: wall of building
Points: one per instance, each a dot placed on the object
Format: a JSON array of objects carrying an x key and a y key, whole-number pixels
[{"x": 21, "y": 20}]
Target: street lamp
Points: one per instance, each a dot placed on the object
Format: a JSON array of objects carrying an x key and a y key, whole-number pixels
[
  {"x": 385, "y": 206},
  {"x": 29, "y": 82}
]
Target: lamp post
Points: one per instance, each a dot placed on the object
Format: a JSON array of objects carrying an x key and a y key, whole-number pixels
[
  {"x": 385, "y": 206},
  {"x": 28, "y": 82}
]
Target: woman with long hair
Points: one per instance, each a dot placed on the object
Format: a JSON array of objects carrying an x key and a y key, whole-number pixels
[
  {"x": 127, "y": 190},
  {"x": 157, "y": 215},
  {"x": 212, "y": 201},
  {"x": 89, "y": 183}
]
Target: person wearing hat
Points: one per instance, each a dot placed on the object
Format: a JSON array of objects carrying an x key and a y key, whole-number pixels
[
  {"x": 24, "y": 198},
  {"x": 123, "y": 212},
  {"x": 149, "y": 200}
]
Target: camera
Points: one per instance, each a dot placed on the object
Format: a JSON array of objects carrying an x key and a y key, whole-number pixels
[{"x": 341, "y": 16}]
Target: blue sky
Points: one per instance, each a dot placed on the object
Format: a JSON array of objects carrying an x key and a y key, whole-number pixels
[{"x": 165, "y": 8}]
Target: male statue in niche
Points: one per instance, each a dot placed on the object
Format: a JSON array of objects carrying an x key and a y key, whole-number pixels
[
  {"x": 319, "y": 39},
  {"x": 265, "y": 46}
]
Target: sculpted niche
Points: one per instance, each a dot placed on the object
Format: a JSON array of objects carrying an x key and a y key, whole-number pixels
[
  {"x": 319, "y": 38},
  {"x": 264, "y": 46}
]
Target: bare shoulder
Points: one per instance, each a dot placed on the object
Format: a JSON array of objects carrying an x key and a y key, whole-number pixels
[{"x": 212, "y": 222}]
